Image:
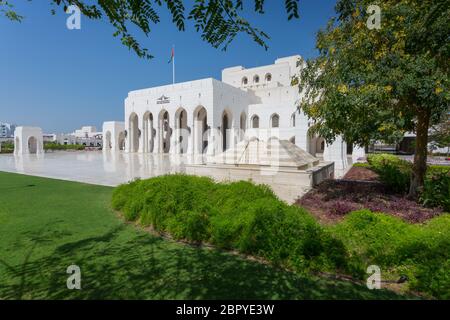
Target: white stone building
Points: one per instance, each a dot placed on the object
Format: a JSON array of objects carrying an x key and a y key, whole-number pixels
[
  {"x": 28, "y": 140},
  {"x": 7, "y": 130},
  {"x": 86, "y": 132},
  {"x": 208, "y": 116},
  {"x": 113, "y": 135},
  {"x": 87, "y": 136}
]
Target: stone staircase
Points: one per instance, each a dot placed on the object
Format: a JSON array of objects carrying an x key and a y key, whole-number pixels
[{"x": 274, "y": 153}]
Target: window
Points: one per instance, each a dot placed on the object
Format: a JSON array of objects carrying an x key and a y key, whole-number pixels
[
  {"x": 255, "y": 122},
  {"x": 268, "y": 77},
  {"x": 293, "y": 119},
  {"x": 256, "y": 79},
  {"x": 275, "y": 120},
  {"x": 244, "y": 81}
]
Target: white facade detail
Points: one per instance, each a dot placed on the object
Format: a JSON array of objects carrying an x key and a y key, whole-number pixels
[
  {"x": 28, "y": 140},
  {"x": 87, "y": 136},
  {"x": 207, "y": 117},
  {"x": 7, "y": 130},
  {"x": 114, "y": 135},
  {"x": 86, "y": 132}
]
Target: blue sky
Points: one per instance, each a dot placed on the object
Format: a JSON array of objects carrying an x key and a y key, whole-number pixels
[{"x": 61, "y": 79}]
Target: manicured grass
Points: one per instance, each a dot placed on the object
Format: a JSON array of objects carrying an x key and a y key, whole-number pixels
[{"x": 47, "y": 225}]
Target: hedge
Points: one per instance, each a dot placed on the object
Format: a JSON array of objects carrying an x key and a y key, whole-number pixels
[
  {"x": 395, "y": 173},
  {"x": 421, "y": 252},
  {"x": 249, "y": 218},
  {"x": 238, "y": 215},
  {"x": 58, "y": 146}
]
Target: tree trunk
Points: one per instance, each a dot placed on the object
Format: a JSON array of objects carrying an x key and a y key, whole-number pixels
[{"x": 420, "y": 154}]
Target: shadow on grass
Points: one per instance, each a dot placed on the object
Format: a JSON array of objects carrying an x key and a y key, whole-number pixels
[{"x": 123, "y": 264}]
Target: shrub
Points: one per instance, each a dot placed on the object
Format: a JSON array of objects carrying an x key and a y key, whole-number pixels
[
  {"x": 249, "y": 218},
  {"x": 420, "y": 251},
  {"x": 361, "y": 164},
  {"x": 192, "y": 225},
  {"x": 122, "y": 195},
  {"x": 238, "y": 215},
  {"x": 429, "y": 253},
  {"x": 7, "y": 147},
  {"x": 436, "y": 189},
  {"x": 58, "y": 146},
  {"x": 393, "y": 171}
]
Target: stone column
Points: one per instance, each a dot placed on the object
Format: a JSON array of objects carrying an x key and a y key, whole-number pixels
[
  {"x": 151, "y": 138},
  {"x": 234, "y": 136},
  {"x": 127, "y": 138},
  {"x": 141, "y": 136},
  {"x": 157, "y": 141},
  {"x": 174, "y": 145},
  {"x": 212, "y": 140},
  {"x": 301, "y": 131},
  {"x": 190, "y": 147},
  {"x": 146, "y": 134}
]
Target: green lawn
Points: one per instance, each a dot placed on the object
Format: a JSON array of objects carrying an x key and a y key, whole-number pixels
[{"x": 47, "y": 225}]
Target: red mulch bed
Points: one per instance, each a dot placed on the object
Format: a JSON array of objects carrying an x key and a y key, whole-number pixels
[
  {"x": 331, "y": 200},
  {"x": 361, "y": 173}
]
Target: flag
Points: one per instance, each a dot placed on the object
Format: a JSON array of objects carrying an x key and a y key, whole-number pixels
[{"x": 172, "y": 55}]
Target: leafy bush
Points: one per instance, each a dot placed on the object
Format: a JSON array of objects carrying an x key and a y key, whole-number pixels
[
  {"x": 58, "y": 146},
  {"x": 7, "y": 147},
  {"x": 238, "y": 215},
  {"x": 393, "y": 171},
  {"x": 422, "y": 252},
  {"x": 436, "y": 189},
  {"x": 249, "y": 218},
  {"x": 361, "y": 164}
]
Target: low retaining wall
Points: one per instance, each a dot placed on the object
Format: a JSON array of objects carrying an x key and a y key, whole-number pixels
[{"x": 288, "y": 184}]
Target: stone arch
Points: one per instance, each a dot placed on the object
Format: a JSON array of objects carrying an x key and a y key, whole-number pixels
[
  {"x": 181, "y": 126},
  {"x": 244, "y": 81},
  {"x": 200, "y": 130},
  {"x": 32, "y": 145},
  {"x": 255, "y": 121},
  {"x": 133, "y": 132},
  {"x": 275, "y": 121},
  {"x": 165, "y": 130},
  {"x": 226, "y": 125},
  {"x": 268, "y": 77},
  {"x": 255, "y": 78},
  {"x": 16, "y": 145},
  {"x": 315, "y": 144},
  {"x": 242, "y": 125},
  {"x": 121, "y": 141},
  {"x": 147, "y": 126},
  {"x": 108, "y": 144},
  {"x": 320, "y": 146},
  {"x": 293, "y": 120}
]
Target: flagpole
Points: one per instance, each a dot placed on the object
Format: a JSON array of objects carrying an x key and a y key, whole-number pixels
[{"x": 173, "y": 65}]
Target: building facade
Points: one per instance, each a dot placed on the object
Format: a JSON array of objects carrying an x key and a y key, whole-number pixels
[
  {"x": 87, "y": 136},
  {"x": 7, "y": 130},
  {"x": 208, "y": 116}
]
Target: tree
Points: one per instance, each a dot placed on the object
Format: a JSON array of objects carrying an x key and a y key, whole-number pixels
[
  {"x": 372, "y": 84},
  {"x": 218, "y": 21},
  {"x": 440, "y": 134}
]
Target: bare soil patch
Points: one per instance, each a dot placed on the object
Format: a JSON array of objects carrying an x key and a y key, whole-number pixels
[{"x": 361, "y": 174}]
